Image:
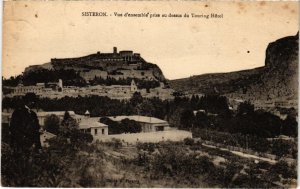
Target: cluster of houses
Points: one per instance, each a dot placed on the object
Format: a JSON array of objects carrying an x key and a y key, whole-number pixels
[
  {"x": 57, "y": 90},
  {"x": 93, "y": 126}
]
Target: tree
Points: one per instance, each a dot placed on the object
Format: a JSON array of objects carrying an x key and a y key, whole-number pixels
[
  {"x": 174, "y": 117},
  {"x": 136, "y": 99},
  {"x": 201, "y": 120},
  {"x": 78, "y": 137},
  {"x": 130, "y": 126},
  {"x": 70, "y": 129},
  {"x": 66, "y": 116},
  {"x": 245, "y": 108},
  {"x": 68, "y": 125},
  {"x": 213, "y": 104},
  {"x": 283, "y": 168},
  {"x": 194, "y": 102},
  {"x": 290, "y": 126},
  {"x": 113, "y": 126},
  {"x": 52, "y": 124},
  {"x": 145, "y": 108},
  {"x": 126, "y": 126},
  {"x": 187, "y": 119},
  {"x": 281, "y": 148}
]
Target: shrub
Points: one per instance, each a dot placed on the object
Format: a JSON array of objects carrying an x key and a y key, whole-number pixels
[
  {"x": 188, "y": 141},
  {"x": 52, "y": 123},
  {"x": 116, "y": 143},
  {"x": 282, "y": 167},
  {"x": 147, "y": 146}
]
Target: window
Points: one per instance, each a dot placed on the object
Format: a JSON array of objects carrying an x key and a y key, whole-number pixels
[
  {"x": 103, "y": 131},
  {"x": 96, "y": 131}
]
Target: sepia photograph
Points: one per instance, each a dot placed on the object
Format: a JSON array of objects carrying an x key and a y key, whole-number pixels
[{"x": 150, "y": 94}]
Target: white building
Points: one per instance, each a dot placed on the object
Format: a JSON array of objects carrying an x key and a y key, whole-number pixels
[
  {"x": 21, "y": 90},
  {"x": 93, "y": 126},
  {"x": 149, "y": 124}
]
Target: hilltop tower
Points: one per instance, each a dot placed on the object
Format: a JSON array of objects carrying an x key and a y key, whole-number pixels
[
  {"x": 60, "y": 85},
  {"x": 133, "y": 87},
  {"x": 87, "y": 113}
]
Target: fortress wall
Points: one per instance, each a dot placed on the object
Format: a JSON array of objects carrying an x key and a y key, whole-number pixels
[{"x": 92, "y": 73}]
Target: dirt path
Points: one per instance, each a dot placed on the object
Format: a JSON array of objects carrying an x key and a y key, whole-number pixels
[{"x": 241, "y": 154}]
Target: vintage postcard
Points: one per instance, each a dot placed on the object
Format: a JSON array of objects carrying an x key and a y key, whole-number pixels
[{"x": 150, "y": 94}]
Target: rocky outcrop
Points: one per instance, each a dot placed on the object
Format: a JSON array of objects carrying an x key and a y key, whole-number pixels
[
  {"x": 277, "y": 80},
  {"x": 280, "y": 77},
  {"x": 283, "y": 53}
]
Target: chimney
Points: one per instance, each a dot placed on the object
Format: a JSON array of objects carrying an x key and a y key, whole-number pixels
[{"x": 115, "y": 50}]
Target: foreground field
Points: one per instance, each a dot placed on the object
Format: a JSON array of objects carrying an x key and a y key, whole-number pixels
[{"x": 164, "y": 164}]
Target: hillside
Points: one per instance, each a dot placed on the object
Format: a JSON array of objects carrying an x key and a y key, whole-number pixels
[
  {"x": 217, "y": 82},
  {"x": 116, "y": 65},
  {"x": 277, "y": 80}
]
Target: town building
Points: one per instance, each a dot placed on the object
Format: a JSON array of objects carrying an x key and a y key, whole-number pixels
[
  {"x": 93, "y": 127},
  {"x": 149, "y": 124},
  {"x": 39, "y": 88},
  {"x": 22, "y": 90},
  {"x": 57, "y": 90}
]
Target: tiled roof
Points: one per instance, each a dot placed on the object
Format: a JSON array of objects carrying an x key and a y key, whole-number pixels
[
  {"x": 138, "y": 118},
  {"x": 90, "y": 122}
]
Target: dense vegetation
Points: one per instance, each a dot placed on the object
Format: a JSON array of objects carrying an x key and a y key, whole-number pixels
[
  {"x": 280, "y": 148},
  {"x": 164, "y": 164},
  {"x": 206, "y": 112},
  {"x": 52, "y": 123},
  {"x": 189, "y": 161},
  {"x": 97, "y": 105},
  {"x": 74, "y": 162},
  {"x": 215, "y": 115},
  {"x": 47, "y": 168},
  {"x": 125, "y": 126},
  {"x": 207, "y": 117}
]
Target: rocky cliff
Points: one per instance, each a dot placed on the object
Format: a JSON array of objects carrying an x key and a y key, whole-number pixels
[{"x": 277, "y": 80}]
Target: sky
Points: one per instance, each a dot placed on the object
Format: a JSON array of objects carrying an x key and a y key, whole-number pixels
[{"x": 36, "y": 31}]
